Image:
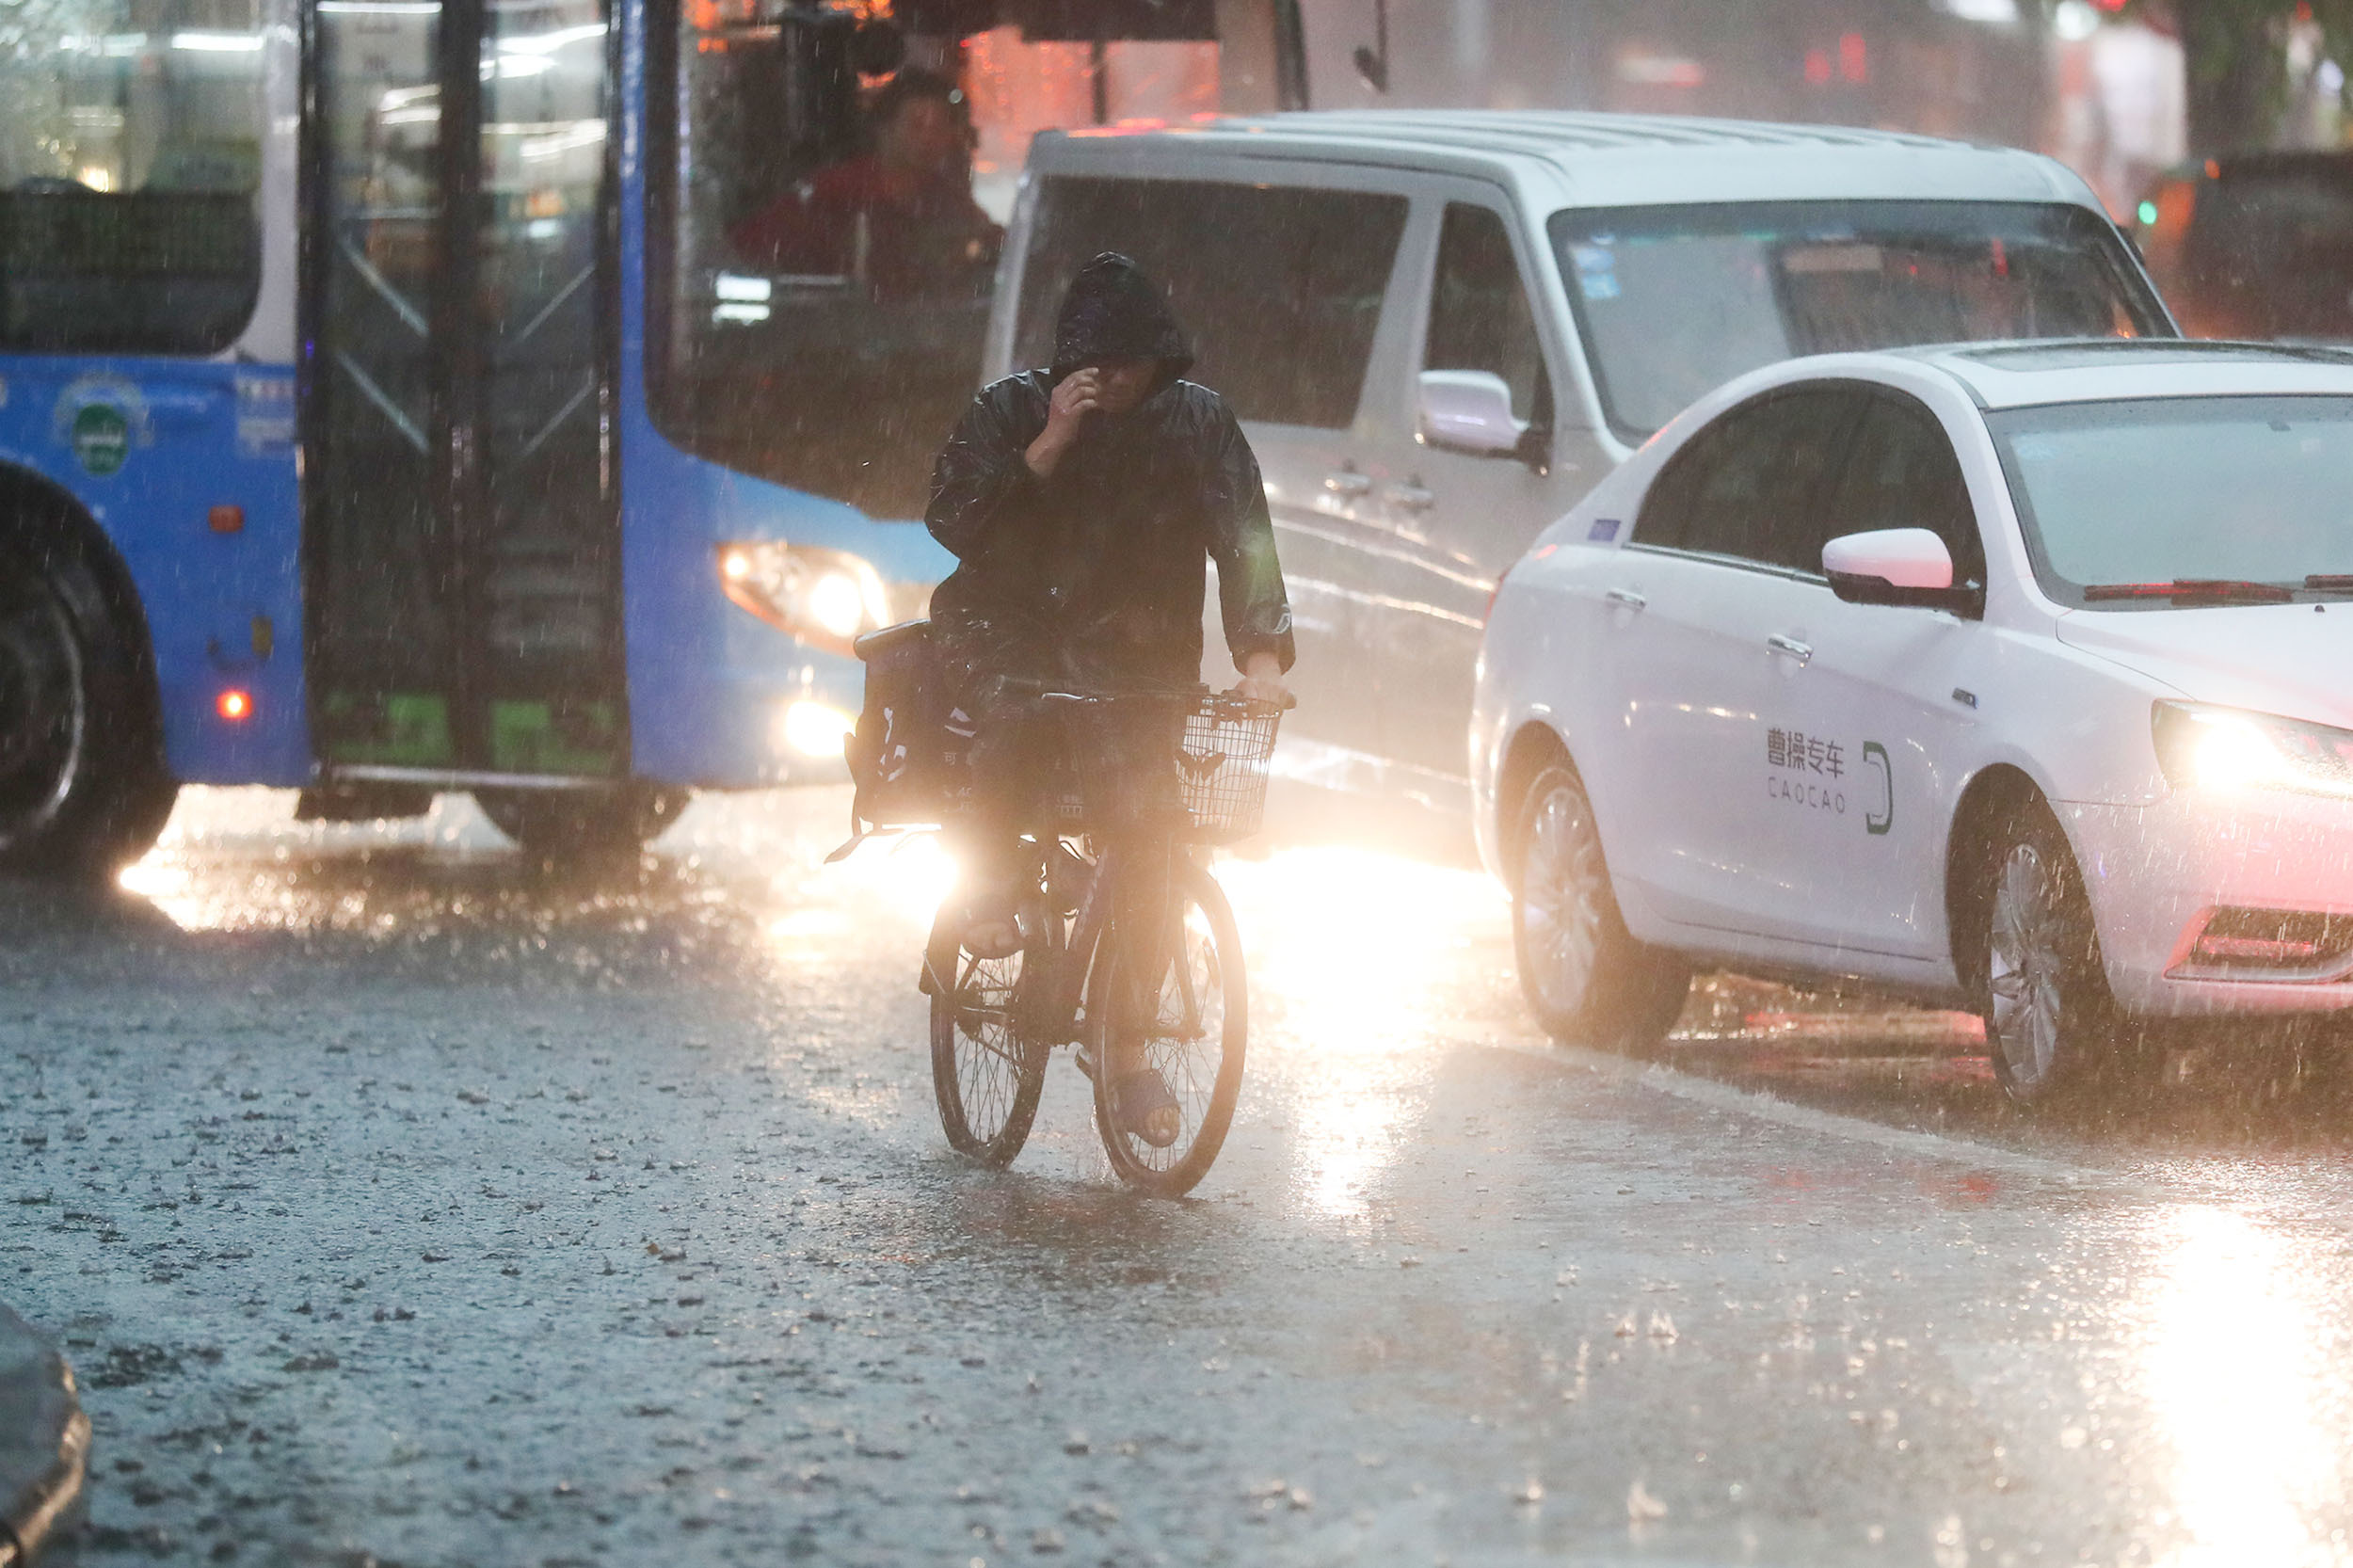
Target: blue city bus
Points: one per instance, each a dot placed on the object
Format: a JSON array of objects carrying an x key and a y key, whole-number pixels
[{"x": 388, "y": 405}]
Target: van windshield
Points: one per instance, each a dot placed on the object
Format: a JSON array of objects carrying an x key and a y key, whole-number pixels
[{"x": 1673, "y": 302}]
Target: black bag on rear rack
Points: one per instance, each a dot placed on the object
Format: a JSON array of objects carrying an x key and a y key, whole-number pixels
[{"x": 899, "y": 754}]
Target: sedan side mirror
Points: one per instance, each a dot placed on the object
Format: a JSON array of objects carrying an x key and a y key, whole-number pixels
[
  {"x": 1470, "y": 410},
  {"x": 1896, "y": 566}
]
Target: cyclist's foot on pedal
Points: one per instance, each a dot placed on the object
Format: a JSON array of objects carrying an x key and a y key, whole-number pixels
[
  {"x": 989, "y": 926},
  {"x": 1148, "y": 1110},
  {"x": 996, "y": 936}
]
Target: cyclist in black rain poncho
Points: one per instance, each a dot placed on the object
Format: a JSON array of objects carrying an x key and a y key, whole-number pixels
[{"x": 1082, "y": 503}]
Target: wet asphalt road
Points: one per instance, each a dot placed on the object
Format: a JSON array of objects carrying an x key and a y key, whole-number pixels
[{"x": 399, "y": 1203}]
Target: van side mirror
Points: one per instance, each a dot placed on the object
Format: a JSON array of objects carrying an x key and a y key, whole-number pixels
[
  {"x": 1896, "y": 566},
  {"x": 1470, "y": 410}
]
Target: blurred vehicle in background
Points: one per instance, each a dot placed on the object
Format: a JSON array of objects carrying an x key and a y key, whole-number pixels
[
  {"x": 387, "y": 405},
  {"x": 2258, "y": 245},
  {"x": 1442, "y": 330},
  {"x": 2001, "y": 677}
]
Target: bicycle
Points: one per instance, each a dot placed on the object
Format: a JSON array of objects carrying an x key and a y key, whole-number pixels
[{"x": 995, "y": 1021}]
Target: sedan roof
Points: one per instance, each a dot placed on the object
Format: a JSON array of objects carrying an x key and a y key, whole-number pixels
[{"x": 2096, "y": 370}]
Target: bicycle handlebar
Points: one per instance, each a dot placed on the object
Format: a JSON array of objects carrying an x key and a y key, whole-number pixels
[{"x": 1198, "y": 694}]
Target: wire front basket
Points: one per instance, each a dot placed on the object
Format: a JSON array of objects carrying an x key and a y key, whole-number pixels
[
  {"x": 1222, "y": 767},
  {"x": 1121, "y": 766}
]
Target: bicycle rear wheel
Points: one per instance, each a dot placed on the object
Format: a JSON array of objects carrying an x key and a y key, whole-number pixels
[
  {"x": 986, "y": 1075},
  {"x": 1195, "y": 1037}
]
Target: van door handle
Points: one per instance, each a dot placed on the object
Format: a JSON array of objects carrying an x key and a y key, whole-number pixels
[
  {"x": 1347, "y": 481},
  {"x": 1414, "y": 498},
  {"x": 1802, "y": 652},
  {"x": 1626, "y": 598}
]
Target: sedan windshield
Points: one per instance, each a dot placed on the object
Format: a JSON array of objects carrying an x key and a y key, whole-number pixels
[
  {"x": 2164, "y": 501},
  {"x": 1674, "y": 300}
]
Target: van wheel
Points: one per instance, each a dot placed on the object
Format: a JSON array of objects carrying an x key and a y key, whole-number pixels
[
  {"x": 573, "y": 824},
  {"x": 2051, "y": 1026},
  {"x": 1586, "y": 978},
  {"x": 83, "y": 785}
]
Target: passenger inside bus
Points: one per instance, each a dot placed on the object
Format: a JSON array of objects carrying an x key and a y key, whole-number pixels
[{"x": 899, "y": 220}]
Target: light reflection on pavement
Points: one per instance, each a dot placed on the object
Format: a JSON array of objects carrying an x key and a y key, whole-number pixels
[
  {"x": 1810, "y": 1289},
  {"x": 2236, "y": 1357}
]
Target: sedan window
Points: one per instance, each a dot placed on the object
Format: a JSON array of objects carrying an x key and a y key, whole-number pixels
[
  {"x": 1902, "y": 474},
  {"x": 1757, "y": 480}
]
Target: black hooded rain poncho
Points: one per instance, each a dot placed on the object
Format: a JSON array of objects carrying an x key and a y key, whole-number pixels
[{"x": 1098, "y": 572}]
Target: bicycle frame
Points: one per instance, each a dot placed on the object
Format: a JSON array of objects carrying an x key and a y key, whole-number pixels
[{"x": 1058, "y": 1018}]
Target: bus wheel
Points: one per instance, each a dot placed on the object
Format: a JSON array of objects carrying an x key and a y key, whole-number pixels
[
  {"x": 560, "y": 824},
  {"x": 83, "y": 786}
]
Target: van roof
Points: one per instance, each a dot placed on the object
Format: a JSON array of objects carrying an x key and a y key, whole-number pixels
[{"x": 1599, "y": 159}]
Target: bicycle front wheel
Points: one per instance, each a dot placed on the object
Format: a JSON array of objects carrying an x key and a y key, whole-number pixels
[
  {"x": 1194, "y": 1037},
  {"x": 986, "y": 1075}
]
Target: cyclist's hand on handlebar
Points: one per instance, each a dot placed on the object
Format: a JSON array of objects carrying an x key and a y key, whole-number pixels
[{"x": 1263, "y": 681}]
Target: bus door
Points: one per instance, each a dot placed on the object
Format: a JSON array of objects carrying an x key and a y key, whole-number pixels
[{"x": 461, "y": 525}]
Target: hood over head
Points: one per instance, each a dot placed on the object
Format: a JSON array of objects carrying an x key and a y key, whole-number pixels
[{"x": 1112, "y": 311}]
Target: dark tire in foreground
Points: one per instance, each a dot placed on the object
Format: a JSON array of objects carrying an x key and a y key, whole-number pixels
[
  {"x": 83, "y": 786},
  {"x": 1196, "y": 1037},
  {"x": 2051, "y": 1026},
  {"x": 986, "y": 1075},
  {"x": 1585, "y": 976},
  {"x": 563, "y": 824}
]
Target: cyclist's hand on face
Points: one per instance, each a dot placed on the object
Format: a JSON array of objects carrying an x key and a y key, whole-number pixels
[
  {"x": 1076, "y": 396},
  {"x": 1262, "y": 680}
]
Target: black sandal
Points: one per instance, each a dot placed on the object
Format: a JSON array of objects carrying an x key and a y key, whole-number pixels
[{"x": 1147, "y": 1109}]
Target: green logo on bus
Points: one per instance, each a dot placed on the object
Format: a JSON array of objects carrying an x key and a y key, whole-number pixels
[{"x": 102, "y": 438}]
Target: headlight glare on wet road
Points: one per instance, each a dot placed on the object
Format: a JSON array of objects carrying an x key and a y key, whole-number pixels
[{"x": 2200, "y": 748}]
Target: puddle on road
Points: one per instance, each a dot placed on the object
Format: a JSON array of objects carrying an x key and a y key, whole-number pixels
[{"x": 1364, "y": 965}]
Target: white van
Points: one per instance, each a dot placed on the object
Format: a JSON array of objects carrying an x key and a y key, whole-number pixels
[{"x": 1441, "y": 329}]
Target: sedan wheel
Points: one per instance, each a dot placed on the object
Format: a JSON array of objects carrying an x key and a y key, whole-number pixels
[
  {"x": 1585, "y": 977},
  {"x": 2049, "y": 1021}
]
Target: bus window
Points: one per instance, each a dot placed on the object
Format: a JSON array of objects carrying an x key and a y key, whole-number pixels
[
  {"x": 827, "y": 210},
  {"x": 130, "y": 152}
]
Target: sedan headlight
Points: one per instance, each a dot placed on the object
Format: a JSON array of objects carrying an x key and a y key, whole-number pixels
[
  {"x": 826, "y": 597},
  {"x": 2229, "y": 748}
]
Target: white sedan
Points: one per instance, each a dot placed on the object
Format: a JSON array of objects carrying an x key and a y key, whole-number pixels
[{"x": 2011, "y": 677}]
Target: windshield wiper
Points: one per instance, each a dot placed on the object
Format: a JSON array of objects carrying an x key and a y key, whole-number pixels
[{"x": 2201, "y": 590}]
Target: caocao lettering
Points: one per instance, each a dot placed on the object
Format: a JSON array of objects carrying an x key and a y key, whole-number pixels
[{"x": 1805, "y": 795}]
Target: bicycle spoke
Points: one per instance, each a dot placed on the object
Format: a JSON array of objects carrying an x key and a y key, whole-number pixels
[
  {"x": 1185, "y": 1041},
  {"x": 989, "y": 1057}
]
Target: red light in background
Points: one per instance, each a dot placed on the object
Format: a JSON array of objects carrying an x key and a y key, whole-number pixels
[
  {"x": 235, "y": 706},
  {"x": 1816, "y": 66},
  {"x": 1854, "y": 60}
]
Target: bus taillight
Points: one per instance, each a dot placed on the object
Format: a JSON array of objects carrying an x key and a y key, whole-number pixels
[{"x": 235, "y": 706}]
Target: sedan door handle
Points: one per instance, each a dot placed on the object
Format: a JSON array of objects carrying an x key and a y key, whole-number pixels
[
  {"x": 1625, "y": 598},
  {"x": 1347, "y": 481},
  {"x": 1802, "y": 652},
  {"x": 1414, "y": 498}
]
